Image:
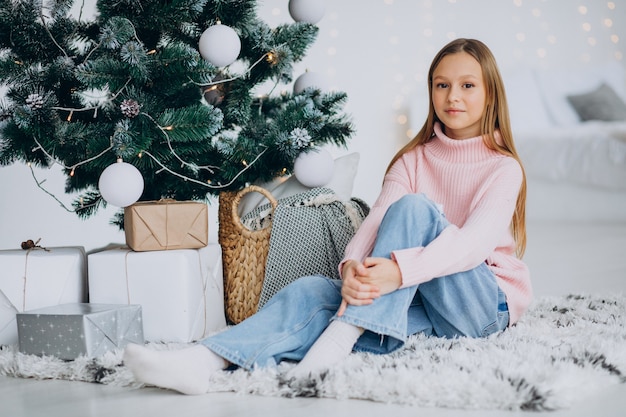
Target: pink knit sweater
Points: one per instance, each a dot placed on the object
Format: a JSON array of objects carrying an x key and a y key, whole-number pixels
[{"x": 477, "y": 188}]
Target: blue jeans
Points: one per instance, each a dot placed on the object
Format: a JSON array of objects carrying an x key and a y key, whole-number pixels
[{"x": 467, "y": 303}]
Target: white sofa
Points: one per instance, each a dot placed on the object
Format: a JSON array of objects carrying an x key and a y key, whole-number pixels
[{"x": 560, "y": 149}]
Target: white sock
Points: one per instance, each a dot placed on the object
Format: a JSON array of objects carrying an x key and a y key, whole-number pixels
[
  {"x": 333, "y": 345},
  {"x": 186, "y": 370}
]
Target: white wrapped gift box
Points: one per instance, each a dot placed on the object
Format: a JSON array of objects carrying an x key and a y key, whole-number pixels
[
  {"x": 181, "y": 292},
  {"x": 37, "y": 278}
]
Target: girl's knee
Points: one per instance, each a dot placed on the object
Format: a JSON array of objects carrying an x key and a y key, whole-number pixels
[
  {"x": 417, "y": 204},
  {"x": 307, "y": 292},
  {"x": 312, "y": 285},
  {"x": 411, "y": 201}
]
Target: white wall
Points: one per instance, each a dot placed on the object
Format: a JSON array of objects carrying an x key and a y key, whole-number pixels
[{"x": 378, "y": 51}]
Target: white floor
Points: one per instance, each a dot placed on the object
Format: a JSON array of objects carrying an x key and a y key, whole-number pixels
[
  {"x": 566, "y": 258},
  {"x": 29, "y": 398}
]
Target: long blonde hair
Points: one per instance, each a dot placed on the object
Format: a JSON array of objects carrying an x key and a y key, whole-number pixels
[{"x": 495, "y": 119}]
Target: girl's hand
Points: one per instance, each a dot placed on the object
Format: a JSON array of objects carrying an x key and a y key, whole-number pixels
[
  {"x": 362, "y": 282},
  {"x": 353, "y": 291},
  {"x": 382, "y": 273}
]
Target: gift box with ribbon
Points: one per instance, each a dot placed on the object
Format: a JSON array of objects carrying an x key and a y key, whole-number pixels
[
  {"x": 181, "y": 292},
  {"x": 166, "y": 225},
  {"x": 38, "y": 277},
  {"x": 68, "y": 331}
]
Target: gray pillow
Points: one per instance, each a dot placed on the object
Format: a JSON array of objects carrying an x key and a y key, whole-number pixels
[{"x": 602, "y": 103}]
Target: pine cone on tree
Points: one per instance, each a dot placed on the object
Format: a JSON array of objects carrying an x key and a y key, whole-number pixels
[
  {"x": 130, "y": 108},
  {"x": 34, "y": 101}
]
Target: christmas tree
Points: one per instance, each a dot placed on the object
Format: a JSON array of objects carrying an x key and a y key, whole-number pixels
[{"x": 134, "y": 83}]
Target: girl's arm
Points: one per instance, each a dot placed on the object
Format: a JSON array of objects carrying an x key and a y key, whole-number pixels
[
  {"x": 465, "y": 247},
  {"x": 362, "y": 243}
]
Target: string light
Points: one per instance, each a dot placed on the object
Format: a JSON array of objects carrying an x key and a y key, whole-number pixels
[
  {"x": 265, "y": 56},
  {"x": 94, "y": 108},
  {"x": 56, "y": 161},
  {"x": 163, "y": 168},
  {"x": 210, "y": 168},
  {"x": 208, "y": 183},
  {"x": 40, "y": 186}
]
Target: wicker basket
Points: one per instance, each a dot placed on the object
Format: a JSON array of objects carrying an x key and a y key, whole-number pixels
[{"x": 244, "y": 253}]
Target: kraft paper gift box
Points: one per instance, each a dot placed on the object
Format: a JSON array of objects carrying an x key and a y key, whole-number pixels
[
  {"x": 38, "y": 278},
  {"x": 166, "y": 224},
  {"x": 68, "y": 331},
  {"x": 181, "y": 292}
]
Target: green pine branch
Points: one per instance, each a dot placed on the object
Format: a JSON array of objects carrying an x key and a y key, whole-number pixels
[{"x": 132, "y": 84}]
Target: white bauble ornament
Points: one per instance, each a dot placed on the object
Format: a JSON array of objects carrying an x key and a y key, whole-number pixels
[
  {"x": 308, "y": 11},
  {"x": 220, "y": 45},
  {"x": 309, "y": 80},
  {"x": 121, "y": 184},
  {"x": 314, "y": 168}
]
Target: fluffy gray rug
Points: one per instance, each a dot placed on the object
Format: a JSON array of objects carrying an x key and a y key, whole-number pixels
[{"x": 564, "y": 349}]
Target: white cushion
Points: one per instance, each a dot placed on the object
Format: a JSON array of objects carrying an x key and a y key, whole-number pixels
[
  {"x": 342, "y": 182},
  {"x": 526, "y": 106},
  {"x": 556, "y": 85}
]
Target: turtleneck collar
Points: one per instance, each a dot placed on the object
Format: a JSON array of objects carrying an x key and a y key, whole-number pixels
[{"x": 458, "y": 150}]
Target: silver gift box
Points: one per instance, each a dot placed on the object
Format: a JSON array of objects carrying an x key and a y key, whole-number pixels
[{"x": 68, "y": 331}]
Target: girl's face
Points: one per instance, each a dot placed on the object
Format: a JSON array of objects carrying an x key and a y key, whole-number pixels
[{"x": 458, "y": 95}]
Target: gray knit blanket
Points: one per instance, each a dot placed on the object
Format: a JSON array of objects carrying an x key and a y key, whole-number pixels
[{"x": 310, "y": 231}]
